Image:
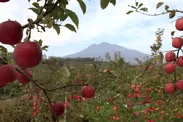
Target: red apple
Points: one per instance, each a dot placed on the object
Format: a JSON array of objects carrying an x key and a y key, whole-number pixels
[
  {"x": 137, "y": 114},
  {"x": 117, "y": 118},
  {"x": 11, "y": 32},
  {"x": 150, "y": 67},
  {"x": 170, "y": 56},
  {"x": 27, "y": 54},
  {"x": 179, "y": 24},
  {"x": 58, "y": 108},
  {"x": 177, "y": 42},
  {"x": 115, "y": 108},
  {"x": 180, "y": 61},
  {"x": 179, "y": 85},
  {"x": 3, "y": 1},
  {"x": 169, "y": 68},
  {"x": 137, "y": 89},
  {"x": 88, "y": 91},
  {"x": 22, "y": 79},
  {"x": 7, "y": 74},
  {"x": 97, "y": 108},
  {"x": 169, "y": 88}
]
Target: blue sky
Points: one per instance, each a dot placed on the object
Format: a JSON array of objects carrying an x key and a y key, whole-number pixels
[{"x": 111, "y": 25}]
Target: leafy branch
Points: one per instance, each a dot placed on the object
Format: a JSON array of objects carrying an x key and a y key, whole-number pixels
[
  {"x": 138, "y": 8},
  {"x": 45, "y": 91},
  {"x": 44, "y": 14}
]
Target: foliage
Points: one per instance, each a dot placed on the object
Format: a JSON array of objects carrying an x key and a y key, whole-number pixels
[{"x": 123, "y": 92}]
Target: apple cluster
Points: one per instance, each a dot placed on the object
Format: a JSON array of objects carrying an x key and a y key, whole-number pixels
[
  {"x": 27, "y": 54},
  {"x": 172, "y": 60}
]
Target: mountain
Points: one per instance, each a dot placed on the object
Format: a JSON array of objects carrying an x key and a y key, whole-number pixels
[{"x": 101, "y": 49}]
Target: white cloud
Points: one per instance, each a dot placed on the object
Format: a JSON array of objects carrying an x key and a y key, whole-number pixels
[{"x": 109, "y": 22}]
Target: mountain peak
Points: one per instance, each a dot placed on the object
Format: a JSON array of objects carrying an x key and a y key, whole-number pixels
[
  {"x": 104, "y": 43},
  {"x": 99, "y": 50}
]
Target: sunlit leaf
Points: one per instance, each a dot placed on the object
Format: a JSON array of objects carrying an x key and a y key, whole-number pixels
[
  {"x": 159, "y": 4},
  {"x": 64, "y": 71},
  {"x": 172, "y": 14}
]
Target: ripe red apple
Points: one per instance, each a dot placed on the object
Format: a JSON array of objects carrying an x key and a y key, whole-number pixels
[
  {"x": 179, "y": 85},
  {"x": 177, "y": 42},
  {"x": 169, "y": 68},
  {"x": 22, "y": 79},
  {"x": 179, "y": 24},
  {"x": 7, "y": 74},
  {"x": 58, "y": 108},
  {"x": 88, "y": 91},
  {"x": 137, "y": 114},
  {"x": 180, "y": 61},
  {"x": 169, "y": 88},
  {"x": 150, "y": 67},
  {"x": 11, "y": 32},
  {"x": 97, "y": 108},
  {"x": 170, "y": 56},
  {"x": 115, "y": 108},
  {"x": 3, "y": 1},
  {"x": 27, "y": 54}
]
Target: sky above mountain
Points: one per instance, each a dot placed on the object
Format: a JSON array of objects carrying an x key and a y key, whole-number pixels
[{"x": 111, "y": 25}]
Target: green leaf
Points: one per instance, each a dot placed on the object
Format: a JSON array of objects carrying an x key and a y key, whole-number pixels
[
  {"x": 137, "y": 3},
  {"x": 35, "y": 10},
  {"x": 64, "y": 71},
  {"x": 129, "y": 12},
  {"x": 113, "y": 2},
  {"x": 82, "y": 5},
  {"x": 159, "y": 4},
  {"x": 144, "y": 9},
  {"x": 140, "y": 5},
  {"x": 70, "y": 27},
  {"x": 133, "y": 7},
  {"x": 35, "y": 4},
  {"x": 172, "y": 33},
  {"x": 50, "y": 23},
  {"x": 3, "y": 50},
  {"x": 161, "y": 57},
  {"x": 63, "y": 17},
  {"x": 57, "y": 28},
  {"x": 104, "y": 3},
  {"x": 45, "y": 48},
  {"x": 73, "y": 17},
  {"x": 40, "y": 42},
  {"x": 172, "y": 14},
  {"x": 166, "y": 7}
]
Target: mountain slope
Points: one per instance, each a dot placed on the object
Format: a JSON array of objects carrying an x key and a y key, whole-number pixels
[{"x": 100, "y": 50}]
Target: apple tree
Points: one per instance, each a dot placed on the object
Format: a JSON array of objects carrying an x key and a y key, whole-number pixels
[
  {"x": 171, "y": 81},
  {"x": 27, "y": 53}
]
